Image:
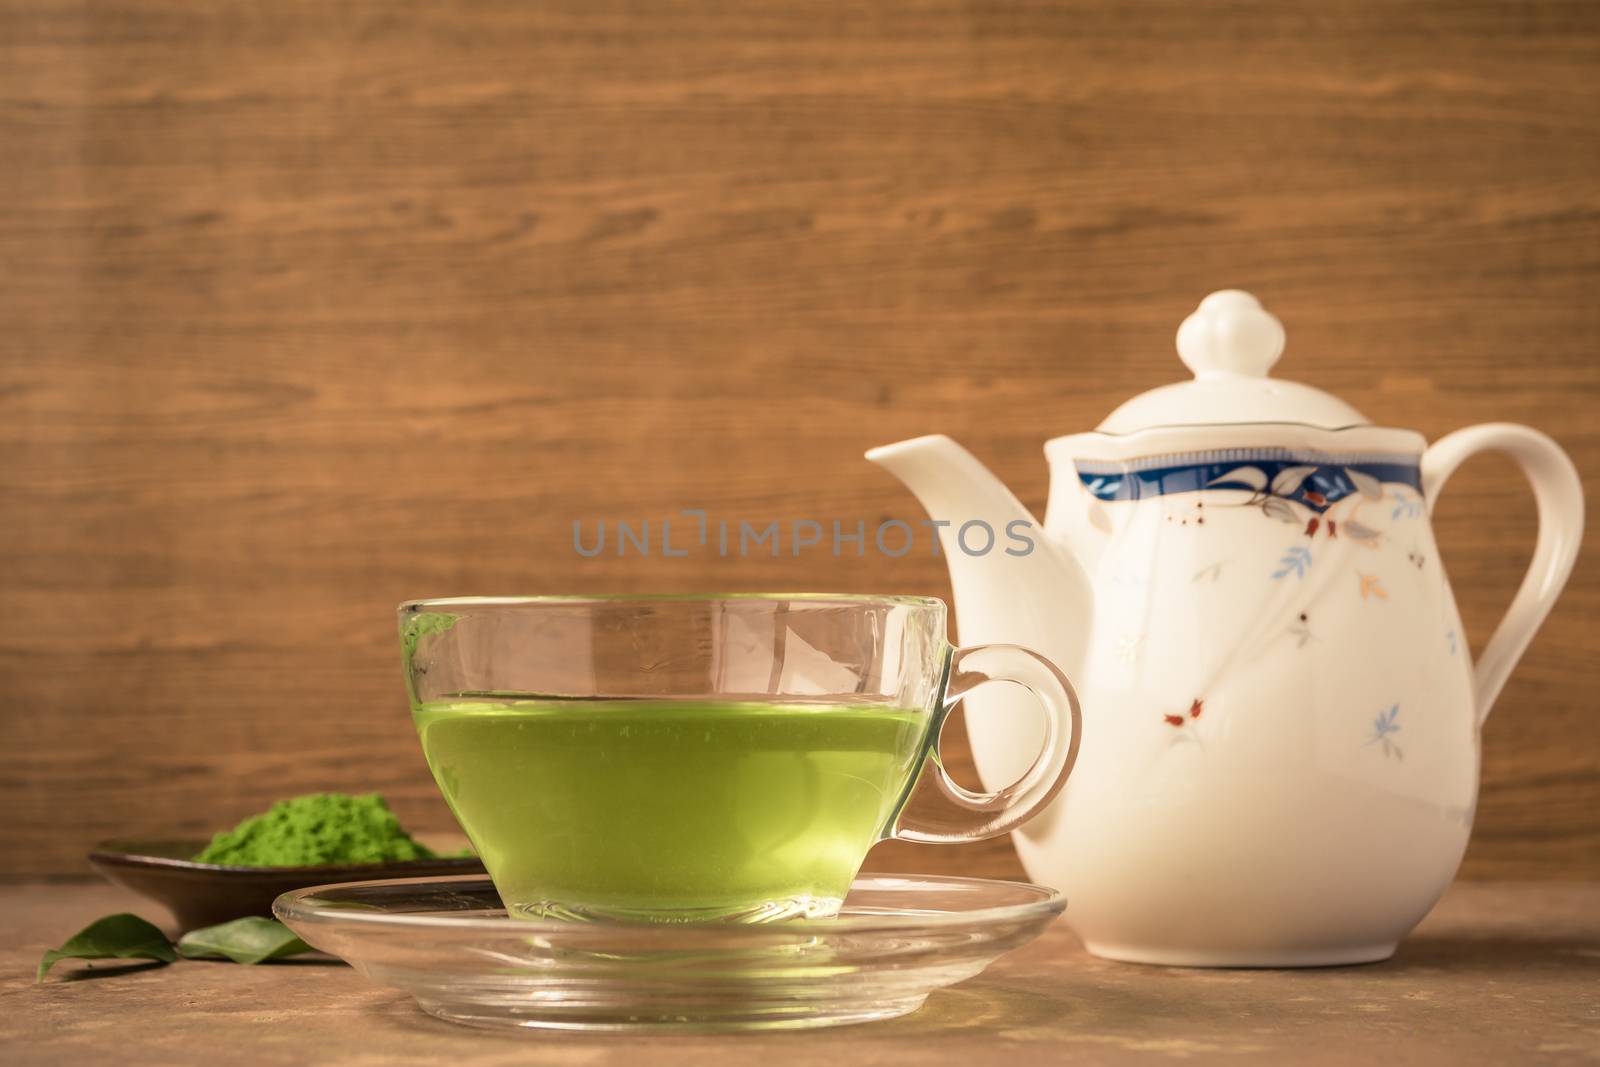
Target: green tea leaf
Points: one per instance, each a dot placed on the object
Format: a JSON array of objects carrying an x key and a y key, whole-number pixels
[
  {"x": 253, "y": 939},
  {"x": 116, "y": 937}
]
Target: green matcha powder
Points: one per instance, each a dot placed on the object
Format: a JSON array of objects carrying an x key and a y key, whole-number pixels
[{"x": 321, "y": 828}]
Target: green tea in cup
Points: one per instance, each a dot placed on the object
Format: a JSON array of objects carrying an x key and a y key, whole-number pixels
[
  {"x": 690, "y": 807},
  {"x": 698, "y": 758}
]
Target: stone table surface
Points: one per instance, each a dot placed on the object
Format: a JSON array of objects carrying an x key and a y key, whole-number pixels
[{"x": 1500, "y": 973}]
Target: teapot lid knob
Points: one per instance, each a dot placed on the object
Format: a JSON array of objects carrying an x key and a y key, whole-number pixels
[{"x": 1230, "y": 335}]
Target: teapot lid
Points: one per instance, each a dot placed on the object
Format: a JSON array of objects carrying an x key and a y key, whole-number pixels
[{"x": 1230, "y": 343}]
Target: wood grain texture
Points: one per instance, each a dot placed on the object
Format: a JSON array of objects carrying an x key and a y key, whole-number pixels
[
  {"x": 1498, "y": 974},
  {"x": 309, "y": 308}
]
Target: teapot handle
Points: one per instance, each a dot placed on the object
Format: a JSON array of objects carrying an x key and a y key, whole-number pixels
[{"x": 1559, "y": 496}]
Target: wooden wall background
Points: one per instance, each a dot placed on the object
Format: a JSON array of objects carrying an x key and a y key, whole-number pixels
[{"x": 309, "y": 307}]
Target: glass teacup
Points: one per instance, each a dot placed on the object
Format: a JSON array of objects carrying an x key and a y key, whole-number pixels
[{"x": 682, "y": 758}]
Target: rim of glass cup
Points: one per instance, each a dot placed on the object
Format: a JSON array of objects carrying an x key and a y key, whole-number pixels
[{"x": 646, "y": 598}]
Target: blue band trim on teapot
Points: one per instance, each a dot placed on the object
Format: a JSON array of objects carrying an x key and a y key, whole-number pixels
[{"x": 1315, "y": 479}]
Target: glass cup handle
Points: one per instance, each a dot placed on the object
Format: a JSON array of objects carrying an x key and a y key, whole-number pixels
[{"x": 962, "y": 815}]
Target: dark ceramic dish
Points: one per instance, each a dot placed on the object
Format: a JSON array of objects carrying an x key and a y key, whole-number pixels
[{"x": 203, "y": 894}]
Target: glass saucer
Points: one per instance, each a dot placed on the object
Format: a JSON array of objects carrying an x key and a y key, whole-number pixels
[{"x": 449, "y": 943}]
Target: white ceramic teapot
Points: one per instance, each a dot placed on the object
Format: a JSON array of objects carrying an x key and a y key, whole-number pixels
[{"x": 1280, "y": 755}]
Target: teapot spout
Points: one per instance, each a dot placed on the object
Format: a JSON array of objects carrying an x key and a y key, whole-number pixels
[{"x": 1018, "y": 586}]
